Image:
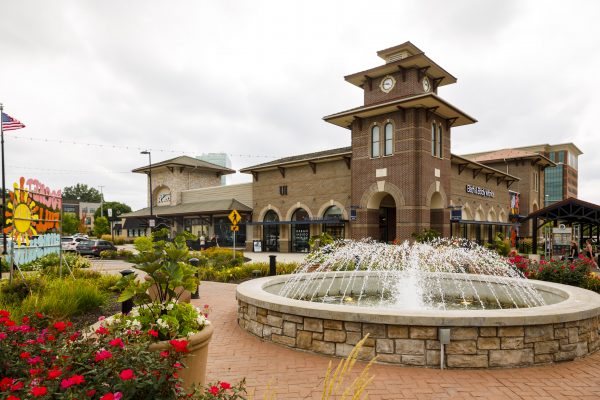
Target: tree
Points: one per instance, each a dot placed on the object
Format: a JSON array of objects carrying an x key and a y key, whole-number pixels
[
  {"x": 81, "y": 192},
  {"x": 70, "y": 223},
  {"x": 101, "y": 226},
  {"x": 118, "y": 209}
]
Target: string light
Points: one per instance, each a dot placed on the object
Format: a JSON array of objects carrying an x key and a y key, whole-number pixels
[{"x": 124, "y": 147}]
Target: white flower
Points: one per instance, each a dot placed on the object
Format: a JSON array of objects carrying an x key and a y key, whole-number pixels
[
  {"x": 162, "y": 323},
  {"x": 134, "y": 313},
  {"x": 169, "y": 306}
]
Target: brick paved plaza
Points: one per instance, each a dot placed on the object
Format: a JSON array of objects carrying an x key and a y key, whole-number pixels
[{"x": 235, "y": 354}]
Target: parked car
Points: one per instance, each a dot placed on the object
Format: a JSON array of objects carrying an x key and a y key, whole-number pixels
[
  {"x": 69, "y": 243},
  {"x": 80, "y": 235},
  {"x": 94, "y": 247}
]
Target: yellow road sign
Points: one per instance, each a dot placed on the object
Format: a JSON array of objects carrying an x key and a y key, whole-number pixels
[
  {"x": 235, "y": 228},
  {"x": 234, "y": 217}
]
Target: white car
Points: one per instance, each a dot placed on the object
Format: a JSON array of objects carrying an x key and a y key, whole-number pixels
[{"x": 69, "y": 243}]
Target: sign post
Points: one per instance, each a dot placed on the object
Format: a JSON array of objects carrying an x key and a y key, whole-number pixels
[{"x": 235, "y": 218}]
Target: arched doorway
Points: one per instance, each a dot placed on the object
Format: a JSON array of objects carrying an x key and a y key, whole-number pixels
[
  {"x": 436, "y": 213},
  {"x": 387, "y": 219},
  {"x": 271, "y": 231},
  {"x": 336, "y": 227},
  {"x": 300, "y": 233}
]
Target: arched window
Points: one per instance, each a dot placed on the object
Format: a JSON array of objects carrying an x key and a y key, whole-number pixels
[
  {"x": 433, "y": 140},
  {"x": 439, "y": 141},
  {"x": 336, "y": 227},
  {"x": 271, "y": 231},
  {"x": 375, "y": 139},
  {"x": 389, "y": 139},
  {"x": 300, "y": 231}
]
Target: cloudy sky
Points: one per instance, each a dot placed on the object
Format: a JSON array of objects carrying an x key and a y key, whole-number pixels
[{"x": 97, "y": 81}]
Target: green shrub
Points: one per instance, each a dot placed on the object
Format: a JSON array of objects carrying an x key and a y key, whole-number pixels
[
  {"x": 108, "y": 254},
  {"x": 592, "y": 282},
  {"x": 124, "y": 254},
  {"x": 525, "y": 245},
  {"x": 117, "y": 240},
  {"x": 52, "y": 261},
  {"x": 427, "y": 235},
  {"x": 63, "y": 298},
  {"x": 242, "y": 272},
  {"x": 500, "y": 245},
  {"x": 143, "y": 243},
  {"x": 219, "y": 257}
]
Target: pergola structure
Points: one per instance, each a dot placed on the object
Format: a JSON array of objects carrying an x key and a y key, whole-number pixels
[{"x": 567, "y": 211}]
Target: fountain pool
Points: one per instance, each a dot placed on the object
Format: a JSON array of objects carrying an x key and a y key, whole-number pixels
[{"x": 403, "y": 295}]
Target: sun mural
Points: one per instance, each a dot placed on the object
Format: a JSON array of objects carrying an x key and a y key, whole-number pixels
[{"x": 22, "y": 215}]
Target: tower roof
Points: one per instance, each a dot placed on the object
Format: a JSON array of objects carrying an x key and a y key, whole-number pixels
[
  {"x": 404, "y": 56},
  {"x": 429, "y": 101}
]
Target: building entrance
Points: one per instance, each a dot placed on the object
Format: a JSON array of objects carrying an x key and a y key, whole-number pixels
[{"x": 387, "y": 219}]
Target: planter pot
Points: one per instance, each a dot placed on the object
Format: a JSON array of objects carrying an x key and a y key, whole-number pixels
[
  {"x": 195, "y": 360},
  {"x": 184, "y": 298}
]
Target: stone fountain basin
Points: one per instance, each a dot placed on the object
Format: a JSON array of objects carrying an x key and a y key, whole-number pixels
[{"x": 565, "y": 329}]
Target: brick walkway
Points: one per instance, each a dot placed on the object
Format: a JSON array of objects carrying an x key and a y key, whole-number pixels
[{"x": 290, "y": 374}]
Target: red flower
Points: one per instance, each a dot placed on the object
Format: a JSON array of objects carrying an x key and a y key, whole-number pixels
[
  {"x": 66, "y": 383},
  {"x": 39, "y": 315},
  {"x": 225, "y": 385},
  {"x": 177, "y": 365},
  {"x": 90, "y": 393},
  {"x": 214, "y": 390},
  {"x": 25, "y": 319},
  {"x": 127, "y": 374},
  {"x": 102, "y": 355},
  {"x": 164, "y": 354},
  {"x": 35, "y": 360},
  {"x": 11, "y": 397},
  {"x": 17, "y": 386},
  {"x": 35, "y": 371},
  {"x": 112, "y": 396},
  {"x": 117, "y": 342},
  {"x": 77, "y": 379},
  {"x": 102, "y": 331},
  {"x": 180, "y": 346},
  {"x": 39, "y": 391},
  {"x": 152, "y": 332},
  {"x": 60, "y": 326},
  {"x": 54, "y": 373},
  {"x": 74, "y": 336},
  {"x": 51, "y": 338},
  {"x": 4, "y": 314},
  {"x": 5, "y": 383},
  {"x": 25, "y": 354},
  {"x": 2, "y": 335}
]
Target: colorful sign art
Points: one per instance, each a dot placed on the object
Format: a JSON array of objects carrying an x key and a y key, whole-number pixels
[
  {"x": 33, "y": 220},
  {"x": 514, "y": 203}
]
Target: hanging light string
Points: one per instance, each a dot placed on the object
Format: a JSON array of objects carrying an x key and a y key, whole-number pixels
[{"x": 123, "y": 147}]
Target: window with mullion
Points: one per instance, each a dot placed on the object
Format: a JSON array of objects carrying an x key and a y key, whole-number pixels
[
  {"x": 433, "y": 140},
  {"x": 389, "y": 140},
  {"x": 375, "y": 142},
  {"x": 439, "y": 142}
]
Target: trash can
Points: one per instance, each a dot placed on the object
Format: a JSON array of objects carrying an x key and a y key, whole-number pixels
[{"x": 257, "y": 246}]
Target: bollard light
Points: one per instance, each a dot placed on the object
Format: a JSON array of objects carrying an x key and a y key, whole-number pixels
[
  {"x": 196, "y": 262},
  {"x": 127, "y": 305},
  {"x": 272, "y": 265}
]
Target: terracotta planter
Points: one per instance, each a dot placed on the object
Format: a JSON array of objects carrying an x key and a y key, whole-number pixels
[
  {"x": 153, "y": 292},
  {"x": 195, "y": 360}
]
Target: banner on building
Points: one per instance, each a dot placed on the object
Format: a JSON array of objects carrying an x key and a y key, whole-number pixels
[{"x": 514, "y": 203}]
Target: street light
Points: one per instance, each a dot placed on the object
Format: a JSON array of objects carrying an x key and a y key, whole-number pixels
[{"x": 150, "y": 179}]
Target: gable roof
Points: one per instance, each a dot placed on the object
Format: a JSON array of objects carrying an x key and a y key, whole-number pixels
[
  {"x": 186, "y": 162},
  {"x": 302, "y": 158},
  {"x": 509, "y": 154},
  {"x": 208, "y": 207}
]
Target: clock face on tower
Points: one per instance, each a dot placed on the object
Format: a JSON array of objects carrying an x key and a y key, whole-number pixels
[
  {"x": 426, "y": 84},
  {"x": 387, "y": 84}
]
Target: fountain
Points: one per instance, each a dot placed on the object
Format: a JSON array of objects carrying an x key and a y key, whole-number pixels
[{"x": 403, "y": 295}]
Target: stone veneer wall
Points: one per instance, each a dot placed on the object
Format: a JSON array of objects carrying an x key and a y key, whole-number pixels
[{"x": 470, "y": 347}]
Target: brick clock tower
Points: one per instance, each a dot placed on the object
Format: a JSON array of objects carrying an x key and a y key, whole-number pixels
[{"x": 401, "y": 169}]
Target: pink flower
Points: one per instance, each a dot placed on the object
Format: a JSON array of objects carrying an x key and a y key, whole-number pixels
[
  {"x": 117, "y": 342},
  {"x": 35, "y": 360},
  {"x": 102, "y": 355},
  {"x": 127, "y": 374},
  {"x": 2, "y": 335},
  {"x": 102, "y": 331}
]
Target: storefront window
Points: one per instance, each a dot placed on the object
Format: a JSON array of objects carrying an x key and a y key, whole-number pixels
[
  {"x": 335, "y": 229},
  {"x": 300, "y": 232},
  {"x": 271, "y": 231},
  {"x": 224, "y": 235},
  {"x": 197, "y": 226}
]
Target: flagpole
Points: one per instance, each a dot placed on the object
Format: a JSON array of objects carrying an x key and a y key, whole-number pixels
[{"x": 3, "y": 186}]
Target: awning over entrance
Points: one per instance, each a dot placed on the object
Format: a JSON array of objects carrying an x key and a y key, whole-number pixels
[
  {"x": 201, "y": 207},
  {"x": 305, "y": 222},
  {"x": 570, "y": 211}
]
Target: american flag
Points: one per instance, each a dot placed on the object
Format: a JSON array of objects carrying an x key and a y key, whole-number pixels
[{"x": 10, "y": 124}]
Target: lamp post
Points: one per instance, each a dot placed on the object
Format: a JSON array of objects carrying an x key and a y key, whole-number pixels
[
  {"x": 101, "y": 202},
  {"x": 150, "y": 182}
]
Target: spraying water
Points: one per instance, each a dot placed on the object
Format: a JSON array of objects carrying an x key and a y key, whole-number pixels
[{"x": 443, "y": 274}]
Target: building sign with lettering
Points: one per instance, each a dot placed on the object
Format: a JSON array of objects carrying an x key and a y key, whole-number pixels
[{"x": 479, "y": 191}]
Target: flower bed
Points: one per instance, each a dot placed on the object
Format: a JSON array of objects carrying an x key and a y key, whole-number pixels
[{"x": 40, "y": 358}]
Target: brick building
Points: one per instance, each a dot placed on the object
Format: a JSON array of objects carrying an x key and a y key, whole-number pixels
[{"x": 396, "y": 179}]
